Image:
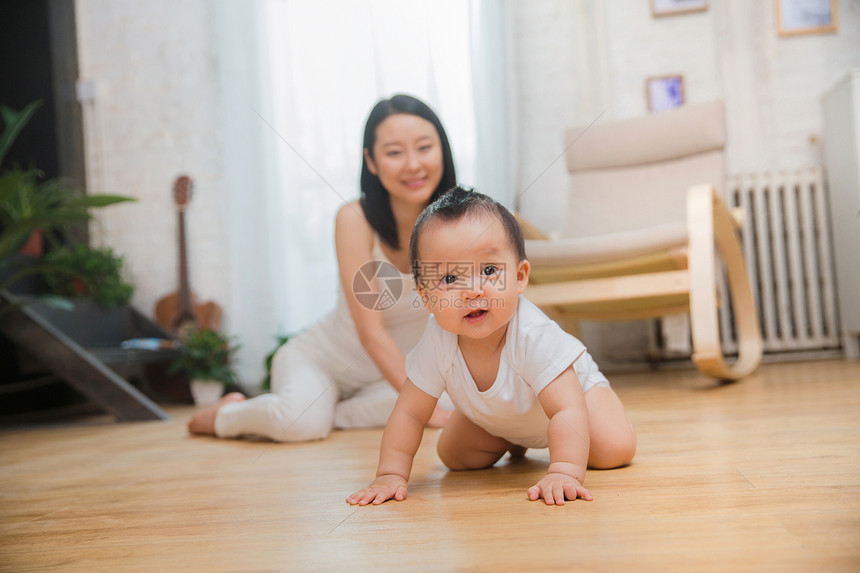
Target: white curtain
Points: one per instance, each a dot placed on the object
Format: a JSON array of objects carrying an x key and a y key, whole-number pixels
[
  {"x": 494, "y": 86},
  {"x": 300, "y": 77}
]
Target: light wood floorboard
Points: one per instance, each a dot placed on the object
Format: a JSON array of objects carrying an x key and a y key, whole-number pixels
[{"x": 759, "y": 475}]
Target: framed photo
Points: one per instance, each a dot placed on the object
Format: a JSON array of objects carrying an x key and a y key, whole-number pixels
[
  {"x": 796, "y": 17},
  {"x": 672, "y": 7},
  {"x": 664, "y": 92}
]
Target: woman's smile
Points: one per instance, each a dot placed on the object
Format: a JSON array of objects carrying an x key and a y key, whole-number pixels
[{"x": 416, "y": 183}]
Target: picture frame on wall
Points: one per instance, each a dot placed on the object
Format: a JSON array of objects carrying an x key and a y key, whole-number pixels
[
  {"x": 664, "y": 92},
  {"x": 797, "y": 17},
  {"x": 673, "y": 7}
]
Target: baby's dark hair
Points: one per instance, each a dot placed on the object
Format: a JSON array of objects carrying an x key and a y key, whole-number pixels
[{"x": 456, "y": 204}]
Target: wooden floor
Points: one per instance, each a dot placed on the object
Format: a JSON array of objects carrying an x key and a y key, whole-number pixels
[{"x": 761, "y": 475}]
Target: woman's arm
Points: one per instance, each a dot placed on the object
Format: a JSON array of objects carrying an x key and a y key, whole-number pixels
[
  {"x": 400, "y": 442},
  {"x": 354, "y": 244},
  {"x": 567, "y": 434}
]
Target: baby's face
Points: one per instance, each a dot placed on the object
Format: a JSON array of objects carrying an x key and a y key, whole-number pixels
[{"x": 470, "y": 275}]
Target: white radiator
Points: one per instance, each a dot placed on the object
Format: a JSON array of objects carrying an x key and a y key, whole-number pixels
[{"x": 786, "y": 241}]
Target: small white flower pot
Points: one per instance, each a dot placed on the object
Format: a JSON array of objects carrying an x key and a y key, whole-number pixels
[{"x": 206, "y": 392}]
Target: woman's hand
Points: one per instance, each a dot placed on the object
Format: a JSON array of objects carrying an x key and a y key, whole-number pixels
[
  {"x": 555, "y": 487},
  {"x": 382, "y": 489},
  {"x": 353, "y": 238}
]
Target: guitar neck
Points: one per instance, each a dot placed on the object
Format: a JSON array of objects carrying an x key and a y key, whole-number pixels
[{"x": 184, "y": 294}]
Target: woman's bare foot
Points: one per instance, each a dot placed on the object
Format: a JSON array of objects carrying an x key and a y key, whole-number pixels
[
  {"x": 439, "y": 417},
  {"x": 203, "y": 422}
]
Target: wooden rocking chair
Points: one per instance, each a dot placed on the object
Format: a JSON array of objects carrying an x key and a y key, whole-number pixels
[{"x": 645, "y": 227}]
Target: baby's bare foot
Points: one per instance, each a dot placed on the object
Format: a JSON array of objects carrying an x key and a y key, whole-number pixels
[{"x": 203, "y": 422}]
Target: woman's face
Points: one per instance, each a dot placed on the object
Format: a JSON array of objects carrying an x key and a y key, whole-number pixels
[{"x": 407, "y": 158}]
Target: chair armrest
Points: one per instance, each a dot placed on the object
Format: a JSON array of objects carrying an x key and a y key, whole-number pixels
[{"x": 713, "y": 229}]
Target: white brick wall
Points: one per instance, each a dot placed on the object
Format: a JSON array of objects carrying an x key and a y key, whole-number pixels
[
  {"x": 545, "y": 49},
  {"x": 156, "y": 115}
]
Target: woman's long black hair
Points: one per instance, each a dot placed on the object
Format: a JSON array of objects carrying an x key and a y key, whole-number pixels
[{"x": 374, "y": 197}]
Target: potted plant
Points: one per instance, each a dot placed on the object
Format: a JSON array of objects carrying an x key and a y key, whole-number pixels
[
  {"x": 96, "y": 273},
  {"x": 205, "y": 358},
  {"x": 30, "y": 205},
  {"x": 266, "y": 384}
]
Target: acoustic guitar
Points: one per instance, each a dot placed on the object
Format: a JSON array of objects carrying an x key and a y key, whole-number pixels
[{"x": 180, "y": 312}]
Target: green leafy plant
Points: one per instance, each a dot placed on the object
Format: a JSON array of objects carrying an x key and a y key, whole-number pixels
[
  {"x": 266, "y": 385},
  {"x": 91, "y": 272},
  {"x": 206, "y": 355},
  {"x": 29, "y": 203}
]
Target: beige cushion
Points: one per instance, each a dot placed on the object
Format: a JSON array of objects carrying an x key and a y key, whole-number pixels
[
  {"x": 626, "y": 199},
  {"x": 605, "y": 248},
  {"x": 681, "y": 132}
]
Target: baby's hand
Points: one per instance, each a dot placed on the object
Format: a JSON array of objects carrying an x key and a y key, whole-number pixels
[
  {"x": 383, "y": 488},
  {"x": 555, "y": 487}
]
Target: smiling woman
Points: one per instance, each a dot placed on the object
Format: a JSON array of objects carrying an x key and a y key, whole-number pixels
[{"x": 345, "y": 371}]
